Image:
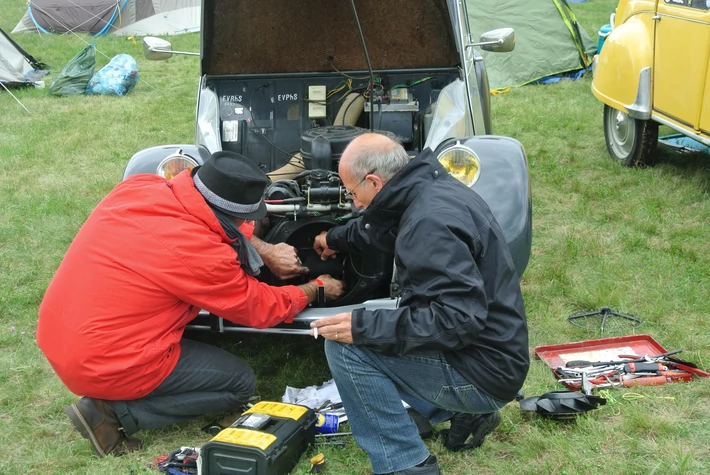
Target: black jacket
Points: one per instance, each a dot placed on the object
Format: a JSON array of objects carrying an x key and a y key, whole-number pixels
[{"x": 460, "y": 290}]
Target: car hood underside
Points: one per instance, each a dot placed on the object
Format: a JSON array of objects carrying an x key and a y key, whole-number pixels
[{"x": 289, "y": 36}]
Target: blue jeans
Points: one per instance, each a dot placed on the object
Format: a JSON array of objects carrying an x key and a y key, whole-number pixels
[{"x": 372, "y": 386}]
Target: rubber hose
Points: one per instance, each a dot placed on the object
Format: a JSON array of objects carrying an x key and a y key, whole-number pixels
[
  {"x": 288, "y": 171},
  {"x": 353, "y": 104}
]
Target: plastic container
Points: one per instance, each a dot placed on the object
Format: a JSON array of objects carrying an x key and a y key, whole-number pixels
[
  {"x": 268, "y": 439},
  {"x": 603, "y": 33},
  {"x": 326, "y": 423}
]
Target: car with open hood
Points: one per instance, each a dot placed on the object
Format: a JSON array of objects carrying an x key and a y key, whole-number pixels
[{"x": 289, "y": 83}]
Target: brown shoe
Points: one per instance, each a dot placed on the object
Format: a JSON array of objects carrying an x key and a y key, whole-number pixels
[{"x": 96, "y": 420}]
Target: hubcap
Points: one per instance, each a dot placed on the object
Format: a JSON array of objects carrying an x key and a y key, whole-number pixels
[{"x": 622, "y": 132}]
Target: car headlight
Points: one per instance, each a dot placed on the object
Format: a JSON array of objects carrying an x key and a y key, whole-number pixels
[
  {"x": 174, "y": 164},
  {"x": 462, "y": 163}
]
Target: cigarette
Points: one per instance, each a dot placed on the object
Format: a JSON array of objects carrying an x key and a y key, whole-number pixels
[{"x": 315, "y": 332}]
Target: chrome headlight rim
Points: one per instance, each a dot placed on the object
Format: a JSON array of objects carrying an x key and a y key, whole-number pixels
[
  {"x": 188, "y": 164},
  {"x": 459, "y": 147}
]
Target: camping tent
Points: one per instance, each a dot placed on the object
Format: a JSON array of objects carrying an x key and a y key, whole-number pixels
[
  {"x": 548, "y": 39},
  {"x": 122, "y": 17},
  {"x": 17, "y": 66}
]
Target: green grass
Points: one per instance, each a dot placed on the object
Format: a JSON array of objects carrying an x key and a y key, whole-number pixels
[{"x": 632, "y": 239}]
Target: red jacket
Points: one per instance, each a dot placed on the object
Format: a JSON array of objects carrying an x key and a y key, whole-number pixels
[{"x": 148, "y": 258}]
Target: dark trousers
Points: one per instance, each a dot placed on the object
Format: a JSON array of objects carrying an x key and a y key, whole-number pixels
[{"x": 206, "y": 379}]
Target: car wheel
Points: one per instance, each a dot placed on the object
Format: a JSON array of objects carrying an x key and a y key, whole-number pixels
[{"x": 629, "y": 141}]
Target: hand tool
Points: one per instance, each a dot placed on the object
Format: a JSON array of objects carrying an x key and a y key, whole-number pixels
[
  {"x": 334, "y": 434},
  {"x": 627, "y": 359},
  {"x": 332, "y": 442},
  {"x": 629, "y": 383},
  {"x": 638, "y": 396},
  {"x": 631, "y": 368},
  {"x": 692, "y": 370}
]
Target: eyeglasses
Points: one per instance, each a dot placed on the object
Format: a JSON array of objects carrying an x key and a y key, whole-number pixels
[{"x": 349, "y": 193}]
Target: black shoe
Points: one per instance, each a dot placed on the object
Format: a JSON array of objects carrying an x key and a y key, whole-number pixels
[
  {"x": 429, "y": 467},
  {"x": 96, "y": 420},
  {"x": 422, "y": 423},
  {"x": 478, "y": 426}
]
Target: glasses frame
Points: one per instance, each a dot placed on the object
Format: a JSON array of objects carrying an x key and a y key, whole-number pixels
[{"x": 349, "y": 193}]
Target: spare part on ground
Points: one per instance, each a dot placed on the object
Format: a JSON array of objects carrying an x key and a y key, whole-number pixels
[
  {"x": 605, "y": 320},
  {"x": 561, "y": 404}
]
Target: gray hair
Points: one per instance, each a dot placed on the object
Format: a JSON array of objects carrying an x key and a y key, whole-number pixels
[{"x": 383, "y": 163}]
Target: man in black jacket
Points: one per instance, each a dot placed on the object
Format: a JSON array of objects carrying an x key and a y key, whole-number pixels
[{"x": 457, "y": 346}]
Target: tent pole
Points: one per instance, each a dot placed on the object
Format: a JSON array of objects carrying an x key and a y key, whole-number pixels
[{"x": 13, "y": 96}]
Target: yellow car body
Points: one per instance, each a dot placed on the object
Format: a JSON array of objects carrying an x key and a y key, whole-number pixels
[{"x": 654, "y": 69}]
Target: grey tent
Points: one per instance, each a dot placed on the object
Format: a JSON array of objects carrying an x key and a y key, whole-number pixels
[
  {"x": 548, "y": 40},
  {"x": 17, "y": 66},
  {"x": 121, "y": 17}
]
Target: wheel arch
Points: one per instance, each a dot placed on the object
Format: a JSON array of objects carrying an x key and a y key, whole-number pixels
[{"x": 622, "y": 75}]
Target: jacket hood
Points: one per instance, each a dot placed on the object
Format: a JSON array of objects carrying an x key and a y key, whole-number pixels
[{"x": 388, "y": 206}]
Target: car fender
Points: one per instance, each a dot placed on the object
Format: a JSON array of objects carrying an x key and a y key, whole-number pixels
[
  {"x": 622, "y": 75},
  {"x": 147, "y": 160},
  {"x": 504, "y": 184}
]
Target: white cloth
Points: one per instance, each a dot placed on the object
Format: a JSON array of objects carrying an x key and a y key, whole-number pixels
[{"x": 314, "y": 397}]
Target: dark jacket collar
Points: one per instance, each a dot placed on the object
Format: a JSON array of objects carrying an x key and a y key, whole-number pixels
[{"x": 395, "y": 197}]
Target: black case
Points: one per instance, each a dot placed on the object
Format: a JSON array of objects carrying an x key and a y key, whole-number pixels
[{"x": 272, "y": 449}]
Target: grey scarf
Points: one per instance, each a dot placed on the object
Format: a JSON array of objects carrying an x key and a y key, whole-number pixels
[{"x": 248, "y": 257}]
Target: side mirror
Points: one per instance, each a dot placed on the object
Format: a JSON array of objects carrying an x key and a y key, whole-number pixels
[
  {"x": 501, "y": 40},
  {"x": 157, "y": 49}
]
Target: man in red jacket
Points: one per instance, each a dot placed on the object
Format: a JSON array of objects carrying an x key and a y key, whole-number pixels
[{"x": 149, "y": 257}]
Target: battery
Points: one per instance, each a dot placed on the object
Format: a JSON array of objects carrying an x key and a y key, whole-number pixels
[{"x": 268, "y": 439}]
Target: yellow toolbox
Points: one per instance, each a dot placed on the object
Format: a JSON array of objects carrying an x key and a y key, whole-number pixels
[{"x": 268, "y": 439}]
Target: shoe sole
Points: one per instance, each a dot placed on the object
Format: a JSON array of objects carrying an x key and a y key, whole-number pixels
[
  {"x": 479, "y": 435},
  {"x": 83, "y": 427}
]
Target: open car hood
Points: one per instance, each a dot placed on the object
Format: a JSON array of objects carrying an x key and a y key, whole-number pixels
[{"x": 247, "y": 37}]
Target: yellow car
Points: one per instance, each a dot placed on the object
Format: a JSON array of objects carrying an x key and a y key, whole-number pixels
[{"x": 653, "y": 69}]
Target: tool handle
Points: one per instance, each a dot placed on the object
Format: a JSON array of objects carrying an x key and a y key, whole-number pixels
[
  {"x": 697, "y": 372},
  {"x": 649, "y": 381},
  {"x": 631, "y": 368},
  {"x": 676, "y": 376}
]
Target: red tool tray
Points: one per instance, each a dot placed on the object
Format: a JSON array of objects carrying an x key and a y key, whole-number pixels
[{"x": 605, "y": 349}]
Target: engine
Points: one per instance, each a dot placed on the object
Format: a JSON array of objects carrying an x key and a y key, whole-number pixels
[{"x": 302, "y": 204}]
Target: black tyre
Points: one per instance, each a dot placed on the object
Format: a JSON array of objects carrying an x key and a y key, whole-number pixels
[{"x": 629, "y": 141}]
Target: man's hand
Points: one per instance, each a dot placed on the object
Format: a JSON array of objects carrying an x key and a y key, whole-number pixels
[
  {"x": 320, "y": 245},
  {"x": 333, "y": 287},
  {"x": 281, "y": 259},
  {"x": 337, "y": 328}
]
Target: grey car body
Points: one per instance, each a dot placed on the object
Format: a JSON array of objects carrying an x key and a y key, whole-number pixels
[{"x": 288, "y": 84}]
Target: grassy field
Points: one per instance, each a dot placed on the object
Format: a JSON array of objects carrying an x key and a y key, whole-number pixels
[{"x": 631, "y": 239}]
